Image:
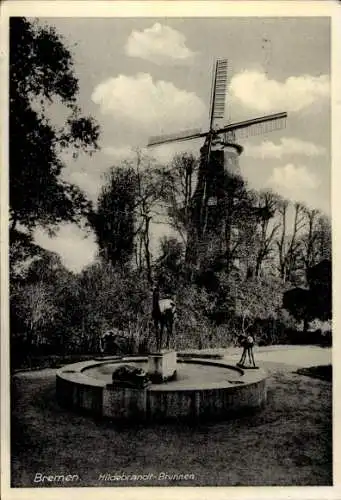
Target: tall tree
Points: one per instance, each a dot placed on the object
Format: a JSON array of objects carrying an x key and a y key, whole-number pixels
[
  {"x": 149, "y": 189},
  {"x": 268, "y": 204},
  {"x": 127, "y": 206},
  {"x": 148, "y": 208},
  {"x": 294, "y": 244},
  {"x": 178, "y": 190},
  {"x": 114, "y": 219},
  {"x": 316, "y": 240},
  {"x": 316, "y": 302},
  {"x": 235, "y": 219},
  {"x": 289, "y": 244},
  {"x": 324, "y": 237},
  {"x": 41, "y": 75}
]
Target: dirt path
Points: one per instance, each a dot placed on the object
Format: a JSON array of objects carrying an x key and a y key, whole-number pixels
[{"x": 282, "y": 357}]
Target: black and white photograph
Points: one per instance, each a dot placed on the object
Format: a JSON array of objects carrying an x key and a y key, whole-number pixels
[{"x": 169, "y": 228}]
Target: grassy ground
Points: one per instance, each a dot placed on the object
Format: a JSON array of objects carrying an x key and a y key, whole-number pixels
[
  {"x": 323, "y": 372},
  {"x": 288, "y": 443}
]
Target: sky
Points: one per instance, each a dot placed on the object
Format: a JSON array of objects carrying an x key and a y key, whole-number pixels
[{"x": 147, "y": 76}]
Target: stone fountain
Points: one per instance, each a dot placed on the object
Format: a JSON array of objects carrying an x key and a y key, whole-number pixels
[{"x": 160, "y": 386}]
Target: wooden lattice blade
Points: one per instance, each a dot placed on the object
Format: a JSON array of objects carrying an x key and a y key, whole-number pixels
[
  {"x": 186, "y": 135},
  {"x": 256, "y": 126},
  {"x": 219, "y": 91}
]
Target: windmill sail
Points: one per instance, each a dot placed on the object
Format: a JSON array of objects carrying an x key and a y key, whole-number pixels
[
  {"x": 218, "y": 92},
  {"x": 261, "y": 128},
  {"x": 186, "y": 135},
  {"x": 256, "y": 126}
]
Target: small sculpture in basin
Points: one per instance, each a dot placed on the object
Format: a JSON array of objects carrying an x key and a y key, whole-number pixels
[{"x": 130, "y": 376}]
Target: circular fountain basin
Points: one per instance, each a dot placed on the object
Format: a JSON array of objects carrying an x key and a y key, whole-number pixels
[{"x": 202, "y": 389}]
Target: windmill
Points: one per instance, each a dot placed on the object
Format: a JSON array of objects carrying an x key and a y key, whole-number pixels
[{"x": 220, "y": 150}]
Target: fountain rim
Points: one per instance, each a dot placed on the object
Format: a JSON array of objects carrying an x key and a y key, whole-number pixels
[{"x": 76, "y": 374}]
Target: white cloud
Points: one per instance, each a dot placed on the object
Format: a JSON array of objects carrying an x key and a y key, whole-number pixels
[
  {"x": 287, "y": 146},
  {"x": 293, "y": 177},
  {"x": 256, "y": 91},
  {"x": 154, "y": 107},
  {"x": 296, "y": 183},
  {"x": 76, "y": 248},
  {"x": 158, "y": 44}
]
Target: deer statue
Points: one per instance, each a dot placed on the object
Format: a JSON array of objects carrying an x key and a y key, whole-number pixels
[
  {"x": 164, "y": 314},
  {"x": 247, "y": 342}
]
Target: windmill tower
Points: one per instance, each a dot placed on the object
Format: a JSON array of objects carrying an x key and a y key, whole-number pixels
[{"x": 220, "y": 153}]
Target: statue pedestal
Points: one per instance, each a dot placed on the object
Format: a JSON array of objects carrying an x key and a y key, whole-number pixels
[{"x": 162, "y": 366}]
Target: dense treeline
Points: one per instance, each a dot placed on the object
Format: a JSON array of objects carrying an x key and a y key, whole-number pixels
[
  {"x": 257, "y": 245},
  {"x": 55, "y": 311}
]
